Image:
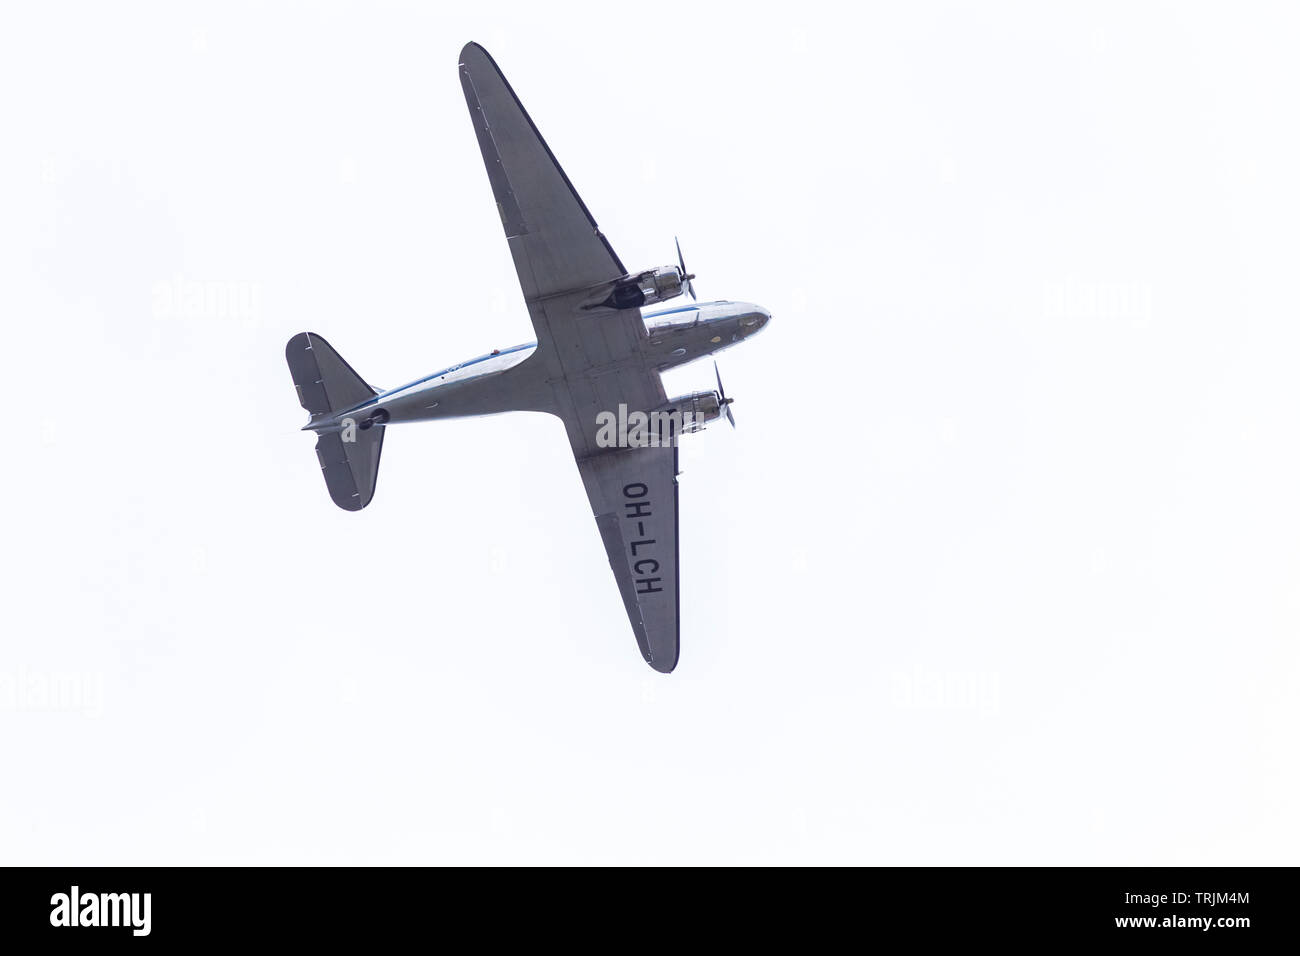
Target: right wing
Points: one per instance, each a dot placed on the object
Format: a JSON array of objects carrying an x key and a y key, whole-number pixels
[
  {"x": 555, "y": 242},
  {"x": 558, "y": 251}
]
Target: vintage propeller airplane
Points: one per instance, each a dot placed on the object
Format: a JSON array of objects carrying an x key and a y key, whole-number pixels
[{"x": 596, "y": 353}]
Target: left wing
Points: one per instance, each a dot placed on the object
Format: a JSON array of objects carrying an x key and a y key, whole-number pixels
[
  {"x": 633, "y": 495},
  {"x": 633, "y": 492},
  {"x": 593, "y": 358}
]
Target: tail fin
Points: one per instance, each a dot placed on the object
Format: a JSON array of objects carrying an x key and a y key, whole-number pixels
[{"x": 349, "y": 458}]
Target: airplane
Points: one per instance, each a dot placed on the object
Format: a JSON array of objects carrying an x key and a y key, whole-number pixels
[{"x": 597, "y": 358}]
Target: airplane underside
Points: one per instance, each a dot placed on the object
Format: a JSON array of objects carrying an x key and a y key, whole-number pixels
[{"x": 596, "y": 354}]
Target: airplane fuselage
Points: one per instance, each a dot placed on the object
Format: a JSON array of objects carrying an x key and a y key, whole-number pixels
[{"x": 505, "y": 380}]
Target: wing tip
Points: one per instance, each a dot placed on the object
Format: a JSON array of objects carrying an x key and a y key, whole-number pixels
[
  {"x": 471, "y": 49},
  {"x": 664, "y": 664}
]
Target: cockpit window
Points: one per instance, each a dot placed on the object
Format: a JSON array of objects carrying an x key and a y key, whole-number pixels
[{"x": 676, "y": 320}]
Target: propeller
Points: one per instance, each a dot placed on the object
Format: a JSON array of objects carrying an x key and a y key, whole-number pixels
[
  {"x": 687, "y": 286},
  {"x": 722, "y": 397}
]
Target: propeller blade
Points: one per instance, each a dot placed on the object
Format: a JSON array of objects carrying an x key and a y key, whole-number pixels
[
  {"x": 687, "y": 285},
  {"x": 722, "y": 397}
]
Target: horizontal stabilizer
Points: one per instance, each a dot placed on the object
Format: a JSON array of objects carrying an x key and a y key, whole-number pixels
[
  {"x": 325, "y": 382},
  {"x": 349, "y": 457},
  {"x": 350, "y": 468}
]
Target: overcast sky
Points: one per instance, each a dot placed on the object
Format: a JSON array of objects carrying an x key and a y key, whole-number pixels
[{"x": 1002, "y": 564}]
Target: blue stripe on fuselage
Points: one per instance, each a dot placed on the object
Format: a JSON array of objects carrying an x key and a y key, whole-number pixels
[
  {"x": 513, "y": 348},
  {"x": 446, "y": 371},
  {"x": 682, "y": 308}
]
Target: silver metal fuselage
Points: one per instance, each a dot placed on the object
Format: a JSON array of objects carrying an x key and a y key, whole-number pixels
[{"x": 506, "y": 380}]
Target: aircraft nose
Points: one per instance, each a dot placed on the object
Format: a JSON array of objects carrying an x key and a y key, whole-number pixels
[{"x": 756, "y": 320}]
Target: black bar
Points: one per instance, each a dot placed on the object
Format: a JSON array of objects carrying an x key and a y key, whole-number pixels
[{"x": 1228, "y": 907}]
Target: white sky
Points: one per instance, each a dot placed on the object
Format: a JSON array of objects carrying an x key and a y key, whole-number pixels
[{"x": 1000, "y": 566}]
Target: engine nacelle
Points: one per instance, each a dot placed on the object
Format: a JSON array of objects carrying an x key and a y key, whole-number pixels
[
  {"x": 647, "y": 288},
  {"x": 687, "y": 414}
]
